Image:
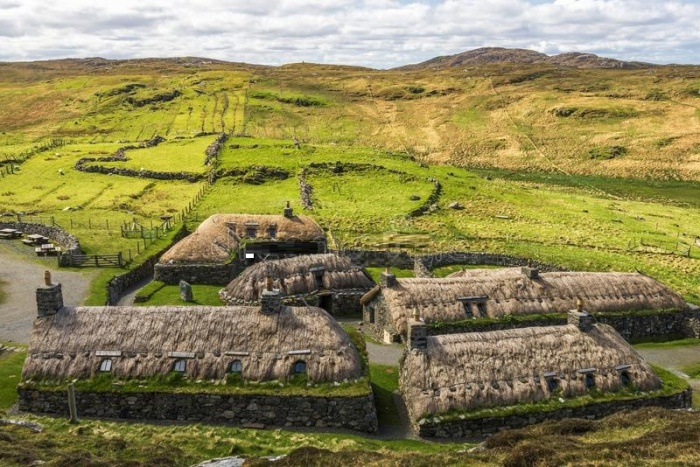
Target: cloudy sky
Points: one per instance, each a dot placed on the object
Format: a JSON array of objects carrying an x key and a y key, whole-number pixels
[{"x": 378, "y": 33}]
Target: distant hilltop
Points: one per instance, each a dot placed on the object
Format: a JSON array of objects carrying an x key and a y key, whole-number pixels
[{"x": 489, "y": 55}]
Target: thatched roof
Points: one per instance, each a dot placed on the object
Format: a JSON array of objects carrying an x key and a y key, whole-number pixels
[
  {"x": 66, "y": 345},
  {"x": 501, "y": 368},
  {"x": 296, "y": 276},
  {"x": 509, "y": 291},
  {"x": 218, "y": 236}
]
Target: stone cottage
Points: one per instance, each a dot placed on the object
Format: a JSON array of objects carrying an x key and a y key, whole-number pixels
[
  {"x": 203, "y": 345},
  {"x": 225, "y": 244},
  {"x": 498, "y": 293},
  {"x": 448, "y": 381},
  {"x": 328, "y": 281}
]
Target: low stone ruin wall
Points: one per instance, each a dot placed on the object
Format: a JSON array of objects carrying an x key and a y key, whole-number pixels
[
  {"x": 209, "y": 274},
  {"x": 481, "y": 427},
  {"x": 355, "y": 413},
  {"x": 68, "y": 242}
]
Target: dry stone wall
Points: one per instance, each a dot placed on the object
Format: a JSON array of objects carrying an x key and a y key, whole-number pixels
[
  {"x": 68, "y": 242},
  {"x": 118, "y": 285},
  {"x": 209, "y": 274},
  {"x": 355, "y": 413}
]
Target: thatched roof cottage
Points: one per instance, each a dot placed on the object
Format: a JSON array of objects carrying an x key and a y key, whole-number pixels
[
  {"x": 224, "y": 244},
  {"x": 268, "y": 342},
  {"x": 497, "y": 293},
  {"x": 329, "y": 281},
  {"x": 459, "y": 373}
]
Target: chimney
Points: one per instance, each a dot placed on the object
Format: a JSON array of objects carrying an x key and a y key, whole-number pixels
[
  {"x": 387, "y": 279},
  {"x": 49, "y": 297},
  {"x": 580, "y": 318},
  {"x": 270, "y": 299},
  {"x": 417, "y": 332},
  {"x": 288, "y": 211},
  {"x": 530, "y": 272}
]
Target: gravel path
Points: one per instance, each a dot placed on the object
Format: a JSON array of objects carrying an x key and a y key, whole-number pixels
[
  {"x": 22, "y": 273},
  {"x": 674, "y": 359}
]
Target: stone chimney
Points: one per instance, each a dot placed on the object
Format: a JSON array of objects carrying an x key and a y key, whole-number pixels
[
  {"x": 387, "y": 279},
  {"x": 580, "y": 318},
  {"x": 530, "y": 272},
  {"x": 49, "y": 297},
  {"x": 417, "y": 332},
  {"x": 288, "y": 211},
  {"x": 270, "y": 299}
]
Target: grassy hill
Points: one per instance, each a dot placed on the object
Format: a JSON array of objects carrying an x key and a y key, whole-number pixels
[
  {"x": 586, "y": 168},
  {"x": 589, "y": 169}
]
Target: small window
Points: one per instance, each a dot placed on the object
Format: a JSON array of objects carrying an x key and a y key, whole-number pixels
[
  {"x": 552, "y": 384},
  {"x": 300, "y": 367},
  {"x": 106, "y": 365},
  {"x": 180, "y": 366},
  {"x": 481, "y": 308},
  {"x": 625, "y": 378},
  {"x": 272, "y": 232},
  {"x": 251, "y": 232},
  {"x": 236, "y": 366},
  {"x": 468, "y": 309},
  {"x": 589, "y": 380}
]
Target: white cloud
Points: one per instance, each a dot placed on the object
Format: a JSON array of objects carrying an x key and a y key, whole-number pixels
[{"x": 381, "y": 34}]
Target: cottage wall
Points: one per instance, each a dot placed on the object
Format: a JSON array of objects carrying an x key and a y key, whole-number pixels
[
  {"x": 376, "y": 320},
  {"x": 632, "y": 326},
  {"x": 434, "y": 427},
  {"x": 355, "y": 413}
]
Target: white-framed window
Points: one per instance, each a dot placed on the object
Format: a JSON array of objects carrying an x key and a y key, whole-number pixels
[
  {"x": 180, "y": 365},
  {"x": 106, "y": 365},
  {"x": 236, "y": 366}
]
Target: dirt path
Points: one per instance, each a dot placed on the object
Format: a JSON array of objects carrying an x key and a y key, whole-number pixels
[
  {"x": 674, "y": 359},
  {"x": 22, "y": 274}
]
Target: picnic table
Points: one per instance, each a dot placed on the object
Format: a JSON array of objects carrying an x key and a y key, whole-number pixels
[
  {"x": 36, "y": 239},
  {"x": 47, "y": 249},
  {"x": 10, "y": 233}
]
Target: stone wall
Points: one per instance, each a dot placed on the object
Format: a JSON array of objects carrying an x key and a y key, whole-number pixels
[
  {"x": 404, "y": 260},
  {"x": 210, "y": 274},
  {"x": 118, "y": 285},
  {"x": 631, "y": 326},
  {"x": 436, "y": 260},
  {"x": 643, "y": 326},
  {"x": 432, "y": 427},
  {"x": 345, "y": 303},
  {"x": 356, "y": 413},
  {"x": 68, "y": 242}
]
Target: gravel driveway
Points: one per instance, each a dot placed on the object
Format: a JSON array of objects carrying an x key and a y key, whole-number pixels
[{"x": 22, "y": 273}]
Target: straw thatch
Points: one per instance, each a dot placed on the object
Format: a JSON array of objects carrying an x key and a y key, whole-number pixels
[
  {"x": 509, "y": 291},
  {"x": 220, "y": 235},
  {"x": 65, "y": 345},
  {"x": 502, "y": 368},
  {"x": 296, "y": 276}
]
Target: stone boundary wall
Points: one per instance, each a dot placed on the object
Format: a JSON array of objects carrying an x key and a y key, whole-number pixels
[
  {"x": 117, "y": 285},
  {"x": 355, "y": 413},
  {"x": 68, "y": 242},
  {"x": 305, "y": 191},
  {"x": 432, "y": 199},
  {"x": 630, "y": 327},
  {"x": 208, "y": 274},
  {"x": 481, "y": 427},
  {"x": 404, "y": 260}
]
